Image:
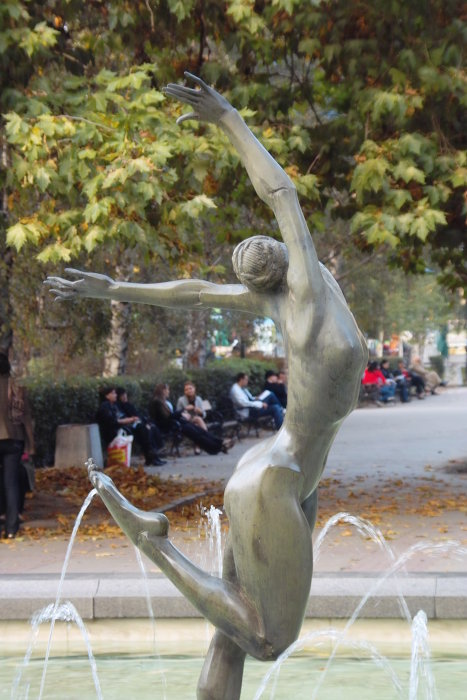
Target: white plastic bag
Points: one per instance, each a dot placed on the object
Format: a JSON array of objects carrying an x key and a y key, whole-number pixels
[{"x": 119, "y": 450}]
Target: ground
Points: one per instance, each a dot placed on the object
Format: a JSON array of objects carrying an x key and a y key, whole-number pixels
[{"x": 395, "y": 505}]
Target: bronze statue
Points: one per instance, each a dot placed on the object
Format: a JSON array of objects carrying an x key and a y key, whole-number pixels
[{"x": 258, "y": 605}]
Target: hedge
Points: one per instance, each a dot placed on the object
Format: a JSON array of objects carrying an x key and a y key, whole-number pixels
[{"x": 75, "y": 400}]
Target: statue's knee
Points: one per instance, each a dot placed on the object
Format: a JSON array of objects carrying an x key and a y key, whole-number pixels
[{"x": 271, "y": 649}]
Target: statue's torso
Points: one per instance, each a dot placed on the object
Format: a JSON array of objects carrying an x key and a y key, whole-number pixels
[{"x": 326, "y": 356}]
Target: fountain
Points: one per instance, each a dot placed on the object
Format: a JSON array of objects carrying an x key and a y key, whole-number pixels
[
  {"x": 258, "y": 599},
  {"x": 418, "y": 678}
]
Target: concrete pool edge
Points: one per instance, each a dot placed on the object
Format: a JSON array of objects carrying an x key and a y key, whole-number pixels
[
  {"x": 190, "y": 637},
  {"x": 441, "y": 596}
]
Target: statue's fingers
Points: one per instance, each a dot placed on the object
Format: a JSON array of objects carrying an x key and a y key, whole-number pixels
[
  {"x": 185, "y": 117},
  {"x": 55, "y": 280},
  {"x": 197, "y": 80},
  {"x": 176, "y": 89},
  {"x": 77, "y": 273},
  {"x": 189, "y": 98},
  {"x": 62, "y": 294}
]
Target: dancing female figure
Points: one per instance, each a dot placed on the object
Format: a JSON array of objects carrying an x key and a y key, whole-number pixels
[{"x": 259, "y": 603}]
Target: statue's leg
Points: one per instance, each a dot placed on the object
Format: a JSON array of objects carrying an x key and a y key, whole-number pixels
[
  {"x": 222, "y": 674},
  {"x": 272, "y": 549},
  {"x": 262, "y": 610},
  {"x": 310, "y": 509},
  {"x": 222, "y": 602}
]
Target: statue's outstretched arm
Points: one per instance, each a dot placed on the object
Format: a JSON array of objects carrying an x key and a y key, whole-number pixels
[
  {"x": 191, "y": 294},
  {"x": 270, "y": 181}
]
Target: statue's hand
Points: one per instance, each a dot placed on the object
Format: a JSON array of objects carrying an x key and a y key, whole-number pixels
[
  {"x": 207, "y": 104},
  {"x": 90, "y": 284}
]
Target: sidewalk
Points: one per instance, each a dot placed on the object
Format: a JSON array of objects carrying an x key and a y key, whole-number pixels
[{"x": 405, "y": 465}]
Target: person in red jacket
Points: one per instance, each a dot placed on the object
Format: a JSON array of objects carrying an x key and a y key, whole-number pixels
[{"x": 374, "y": 376}]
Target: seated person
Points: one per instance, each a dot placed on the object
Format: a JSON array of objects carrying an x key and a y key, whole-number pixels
[
  {"x": 400, "y": 381},
  {"x": 430, "y": 377},
  {"x": 127, "y": 409},
  {"x": 247, "y": 405},
  {"x": 110, "y": 420},
  {"x": 169, "y": 421},
  {"x": 271, "y": 383},
  {"x": 414, "y": 380},
  {"x": 402, "y": 374},
  {"x": 192, "y": 405},
  {"x": 374, "y": 377},
  {"x": 402, "y": 377}
]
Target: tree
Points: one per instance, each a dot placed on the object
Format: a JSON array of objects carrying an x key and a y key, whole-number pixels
[{"x": 362, "y": 104}]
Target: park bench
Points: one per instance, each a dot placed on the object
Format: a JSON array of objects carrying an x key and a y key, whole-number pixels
[{"x": 252, "y": 422}]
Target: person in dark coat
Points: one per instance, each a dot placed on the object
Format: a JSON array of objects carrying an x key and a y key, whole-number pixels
[
  {"x": 16, "y": 435},
  {"x": 111, "y": 420},
  {"x": 272, "y": 384},
  {"x": 128, "y": 409}
]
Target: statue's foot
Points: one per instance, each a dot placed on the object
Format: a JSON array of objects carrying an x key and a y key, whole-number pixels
[
  {"x": 134, "y": 522},
  {"x": 97, "y": 477}
]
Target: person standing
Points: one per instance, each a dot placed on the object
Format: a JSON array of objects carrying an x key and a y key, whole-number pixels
[{"x": 16, "y": 434}]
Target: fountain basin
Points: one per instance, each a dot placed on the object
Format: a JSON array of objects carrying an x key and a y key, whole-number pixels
[{"x": 139, "y": 658}]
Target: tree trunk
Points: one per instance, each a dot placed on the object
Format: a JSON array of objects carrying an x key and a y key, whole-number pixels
[
  {"x": 6, "y": 311},
  {"x": 117, "y": 342},
  {"x": 6, "y": 264},
  {"x": 115, "y": 358},
  {"x": 195, "y": 348}
]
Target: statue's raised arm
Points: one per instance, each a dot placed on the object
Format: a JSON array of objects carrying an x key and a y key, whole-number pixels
[{"x": 270, "y": 181}]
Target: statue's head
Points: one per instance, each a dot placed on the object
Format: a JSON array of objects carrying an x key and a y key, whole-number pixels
[{"x": 260, "y": 263}]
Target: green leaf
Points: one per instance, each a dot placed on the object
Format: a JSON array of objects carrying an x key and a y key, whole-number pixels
[
  {"x": 388, "y": 103},
  {"x": 114, "y": 177},
  {"x": 459, "y": 177},
  {"x": 87, "y": 153},
  {"x": 41, "y": 37},
  {"x": 411, "y": 144},
  {"x": 139, "y": 165},
  {"x": 307, "y": 186},
  {"x": 369, "y": 176},
  {"x": 42, "y": 179},
  {"x": 197, "y": 205},
  {"x": 17, "y": 235},
  {"x": 55, "y": 252},
  {"x": 180, "y": 8},
  {"x": 419, "y": 228},
  {"x": 400, "y": 198},
  {"x": 93, "y": 237},
  {"x": 406, "y": 170},
  {"x": 97, "y": 210}
]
